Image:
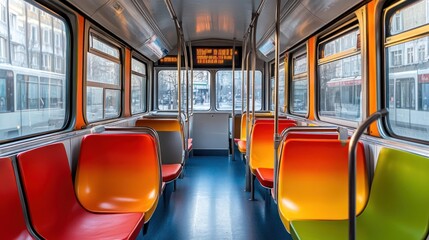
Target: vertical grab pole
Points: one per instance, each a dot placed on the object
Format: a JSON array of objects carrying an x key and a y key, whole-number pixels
[
  {"x": 192, "y": 85},
  {"x": 185, "y": 52},
  {"x": 243, "y": 60},
  {"x": 254, "y": 68},
  {"x": 252, "y": 182},
  {"x": 179, "y": 68},
  {"x": 247, "y": 122},
  {"x": 276, "y": 136},
  {"x": 352, "y": 168},
  {"x": 233, "y": 102}
]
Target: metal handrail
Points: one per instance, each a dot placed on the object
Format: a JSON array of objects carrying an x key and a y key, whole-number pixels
[
  {"x": 352, "y": 168},
  {"x": 233, "y": 103}
]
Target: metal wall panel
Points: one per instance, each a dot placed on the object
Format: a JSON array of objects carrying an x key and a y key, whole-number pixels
[{"x": 210, "y": 131}]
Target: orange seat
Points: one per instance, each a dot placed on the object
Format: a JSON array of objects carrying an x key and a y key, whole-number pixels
[
  {"x": 265, "y": 176},
  {"x": 241, "y": 142},
  {"x": 118, "y": 172},
  {"x": 11, "y": 215},
  {"x": 170, "y": 172},
  {"x": 262, "y": 142},
  {"x": 242, "y": 146},
  {"x": 54, "y": 210},
  {"x": 261, "y": 157},
  {"x": 313, "y": 177}
]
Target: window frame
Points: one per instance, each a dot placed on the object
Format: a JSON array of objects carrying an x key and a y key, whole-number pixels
[
  {"x": 358, "y": 21},
  {"x": 139, "y": 58},
  {"x": 93, "y": 31},
  {"x": 295, "y": 54},
  {"x": 69, "y": 20},
  {"x": 394, "y": 39},
  {"x": 238, "y": 86}
]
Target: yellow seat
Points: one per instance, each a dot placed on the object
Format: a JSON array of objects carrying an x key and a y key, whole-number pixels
[
  {"x": 241, "y": 143},
  {"x": 313, "y": 180}
]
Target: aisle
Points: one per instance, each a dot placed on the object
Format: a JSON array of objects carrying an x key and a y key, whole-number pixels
[{"x": 210, "y": 203}]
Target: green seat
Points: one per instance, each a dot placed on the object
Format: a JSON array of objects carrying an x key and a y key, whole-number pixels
[{"x": 398, "y": 206}]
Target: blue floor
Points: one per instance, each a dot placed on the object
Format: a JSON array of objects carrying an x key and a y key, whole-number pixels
[{"x": 210, "y": 203}]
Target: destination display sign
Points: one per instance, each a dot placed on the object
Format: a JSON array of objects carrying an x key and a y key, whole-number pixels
[
  {"x": 216, "y": 56},
  {"x": 169, "y": 60}
]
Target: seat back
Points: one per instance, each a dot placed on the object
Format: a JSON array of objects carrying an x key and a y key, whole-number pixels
[
  {"x": 400, "y": 193},
  {"x": 12, "y": 219},
  {"x": 118, "y": 172},
  {"x": 262, "y": 142},
  {"x": 47, "y": 184},
  {"x": 313, "y": 179},
  {"x": 244, "y": 122},
  {"x": 170, "y": 133}
]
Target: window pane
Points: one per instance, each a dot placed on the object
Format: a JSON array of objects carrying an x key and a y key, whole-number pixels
[
  {"x": 412, "y": 16},
  {"x": 94, "y": 104},
  {"x": 281, "y": 90},
  {"x": 340, "y": 88},
  {"x": 343, "y": 43},
  {"x": 201, "y": 91},
  {"x": 408, "y": 92},
  {"x": 299, "y": 86},
  {"x": 103, "y": 47},
  {"x": 26, "y": 65},
  {"x": 138, "y": 67},
  {"x": 168, "y": 90},
  {"x": 138, "y": 94},
  {"x": 102, "y": 70},
  {"x": 112, "y": 101},
  {"x": 224, "y": 90}
]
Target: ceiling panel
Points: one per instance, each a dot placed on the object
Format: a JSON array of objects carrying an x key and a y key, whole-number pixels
[{"x": 328, "y": 10}]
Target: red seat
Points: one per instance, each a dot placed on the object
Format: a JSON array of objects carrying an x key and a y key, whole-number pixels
[
  {"x": 11, "y": 215},
  {"x": 265, "y": 176},
  {"x": 54, "y": 210},
  {"x": 170, "y": 172}
]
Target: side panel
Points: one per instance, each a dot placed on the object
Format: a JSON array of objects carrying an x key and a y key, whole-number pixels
[{"x": 210, "y": 131}]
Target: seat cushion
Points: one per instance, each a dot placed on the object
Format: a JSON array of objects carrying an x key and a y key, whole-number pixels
[
  {"x": 170, "y": 172},
  {"x": 265, "y": 176},
  {"x": 241, "y": 146}
]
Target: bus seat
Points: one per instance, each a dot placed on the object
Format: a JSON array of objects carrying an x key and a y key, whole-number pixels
[
  {"x": 54, "y": 210},
  {"x": 262, "y": 149},
  {"x": 312, "y": 181},
  {"x": 11, "y": 215},
  {"x": 397, "y": 207},
  {"x": 241, "y": 143},
  {"x": 170, "y": 172},
  {"x": 170, "y": 133},
  {"x": 118, "y": 172},
  {"x": 262, "y": 142}
]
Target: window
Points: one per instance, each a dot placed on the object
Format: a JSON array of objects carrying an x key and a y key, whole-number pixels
[
  {"x": 103, "y": 78},
  {"x": 407, "y": 87},
  {"x": 421, "y": 53},
  {"x": 33, "y": 98},
  {"x": 138, "y": 86},
  {"x": 408, "y": 18},
  {"x": 168, "y": 90},
  {"x": 340, "y": 77},
  {"x": 3, "y": 14},
  {"x": 410, "y": 55},
  {"x": 281, "y": 91},
  {"x": 224, "y": 90},
  {"x": 46, "y": 37},
  {"x": 299, "y": 86}
]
